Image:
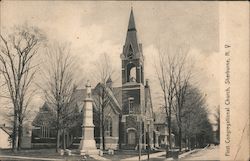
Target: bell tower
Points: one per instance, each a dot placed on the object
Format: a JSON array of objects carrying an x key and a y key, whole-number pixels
[
  {"x": 132, "y": 56},
  {"x": 133, "y": 89}
]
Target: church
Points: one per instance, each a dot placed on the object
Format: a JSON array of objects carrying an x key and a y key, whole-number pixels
[{"x": 128, "y": 117}]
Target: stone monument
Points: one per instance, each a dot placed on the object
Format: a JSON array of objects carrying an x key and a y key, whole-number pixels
[{"x": 88, "y": 144}]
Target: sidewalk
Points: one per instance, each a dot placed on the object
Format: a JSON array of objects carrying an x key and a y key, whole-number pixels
[
  {"x": 98, "y": 157},
  {"x": 144, "y": 157},
  {"x": 184, "y": 154},
  {"x": 27, "y": 158}
]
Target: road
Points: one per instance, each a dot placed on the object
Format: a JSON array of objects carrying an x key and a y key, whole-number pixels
[{"x": 209, "y": 153}]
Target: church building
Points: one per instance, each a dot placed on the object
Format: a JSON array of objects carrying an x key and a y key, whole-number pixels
[
  {"x": 137, "y": 110},
  {"x": 128, "y": 118}
]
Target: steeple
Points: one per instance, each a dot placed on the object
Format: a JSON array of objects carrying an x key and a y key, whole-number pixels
[
  {"x": 132, "y": 55},
  {"x": 131, "y": 24},
  {"x": 132, "y": 48}
]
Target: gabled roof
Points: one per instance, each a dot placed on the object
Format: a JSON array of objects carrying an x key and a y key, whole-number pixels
[
  {"x": 113, "y": 94},
  {"x": 7, "y": 130},
  {"x": 118, "y": 94},
  {"x": 45, "y": 115}
]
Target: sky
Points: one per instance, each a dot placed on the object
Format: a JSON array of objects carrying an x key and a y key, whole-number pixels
[{"x": 98, "y": 27}]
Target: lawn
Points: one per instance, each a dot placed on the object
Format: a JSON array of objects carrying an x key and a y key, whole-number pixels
[
  {"x": 51, "y": 154},
  {"x": 39, "y": 153}
]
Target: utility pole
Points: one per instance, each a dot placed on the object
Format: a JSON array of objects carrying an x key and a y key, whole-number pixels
[
  {"x": 140, "y": 138},
  {"x": 148, "y": 122}
]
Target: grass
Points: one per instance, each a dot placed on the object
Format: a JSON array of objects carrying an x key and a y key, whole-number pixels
[
  {"x": 52, "y": 154},
  {"x": 39, "y": 153}
]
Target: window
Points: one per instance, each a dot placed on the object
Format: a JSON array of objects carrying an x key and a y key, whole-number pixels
[
  {"x": 130, "y": 105},
  {"x": 131, "y": 72},
  {"x": 45, "y": 132},
  {"x": 130, "y": 52},
  {"x": 108, "y": 126},
  {"x": 132, "y": 75},
  {"x": 131, "y": 137}
]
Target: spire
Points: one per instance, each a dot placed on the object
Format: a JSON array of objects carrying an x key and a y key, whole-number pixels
[
  {"x": 131, "y": 24},
  {"x": 131, "y": 47},
  {"x": 109, "y": 82}
]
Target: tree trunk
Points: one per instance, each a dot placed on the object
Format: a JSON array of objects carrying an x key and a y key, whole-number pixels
[
  {"x": 180, "y": 136},
  {"x": 57, "y": 133},
  {"x": 20, "y": 134},
  {"x": 169, "y": 130},
  {"x": 189, "y": 143},
  {"x": 103, "y": 130},
  {"x": 14, "y": 132},
  {"x": 195, "y": 141},
  {"x": 64, "y": 143},
  {"x": 57, "y": 140},
  {"x": 100, "y": 125},
  {"x": 185, "y": 141}
]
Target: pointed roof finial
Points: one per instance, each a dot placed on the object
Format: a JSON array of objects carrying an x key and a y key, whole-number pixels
[
  {"x": 131, "y": 24},
  {"x": 109, "y": 80}
]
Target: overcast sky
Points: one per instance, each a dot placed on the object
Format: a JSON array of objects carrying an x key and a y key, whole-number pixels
[{"x": 94, "y": 28}]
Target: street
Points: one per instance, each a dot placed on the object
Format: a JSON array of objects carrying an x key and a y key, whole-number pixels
[{"x": 209, "y": 153}]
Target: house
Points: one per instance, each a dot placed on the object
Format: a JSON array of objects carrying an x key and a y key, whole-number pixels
[
  {"x": 5, "y": 134},
  {"x": 43, "y": 128},
  {"x": 128, "y": 116},
  {"x": 161, "y": 129}
]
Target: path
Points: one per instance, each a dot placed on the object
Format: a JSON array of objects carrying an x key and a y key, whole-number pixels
[
  {"x": 144, "y": 157},
  {"x": 27, "y": 158},
  {"x": 209, "y": 153}
]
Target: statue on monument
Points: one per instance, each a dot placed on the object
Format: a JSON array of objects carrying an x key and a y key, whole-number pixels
[
  {"x": 88, "y": 87},
  {"x": 88, "y": 144}
]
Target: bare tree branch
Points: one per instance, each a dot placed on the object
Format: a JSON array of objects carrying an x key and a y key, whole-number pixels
[{"x": 16, "y": 53}]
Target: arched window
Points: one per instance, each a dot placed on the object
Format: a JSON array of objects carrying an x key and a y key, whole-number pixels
[
  {"x": 130, "y": 52},
  {"x": 131, "y": 72},
  {"x": 108, "y": 126},
  {"x": 131, "y": 136}
]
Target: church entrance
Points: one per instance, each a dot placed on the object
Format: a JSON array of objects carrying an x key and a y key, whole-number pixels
[{"x": 131, "y": 137}]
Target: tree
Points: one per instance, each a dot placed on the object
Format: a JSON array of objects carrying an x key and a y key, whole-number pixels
[
  {"x": 59, "y": 86},
  {"x": 17, "y": 52},
  {"x": 173, "y": 74},
  {"x": 165, "y": 73},
  {"x": 182, "y": 74},
  {"x": 104, "y": 72},
  {"x": 192, "y": 113}
]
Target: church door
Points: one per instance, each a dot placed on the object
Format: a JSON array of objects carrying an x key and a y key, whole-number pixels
[{"x": 131, "y": 137}]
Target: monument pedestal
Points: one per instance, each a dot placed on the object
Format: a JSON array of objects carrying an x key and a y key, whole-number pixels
[{"x": 88, "y": 144}]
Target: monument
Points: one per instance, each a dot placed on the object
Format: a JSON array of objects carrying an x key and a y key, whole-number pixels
[{"x": 88, "y": 144}]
